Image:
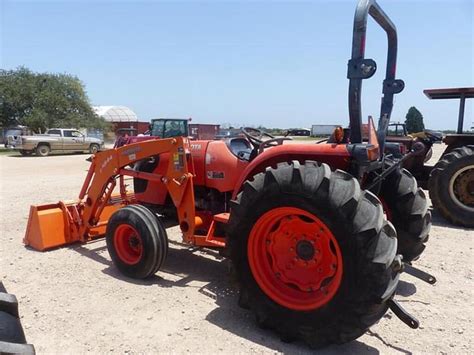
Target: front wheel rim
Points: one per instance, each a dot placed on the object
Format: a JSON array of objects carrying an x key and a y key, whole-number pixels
[
  {"x": 128, "y": 244},
  {"x": 295, "y": 259},
  {"x": 461, "y": 188}
]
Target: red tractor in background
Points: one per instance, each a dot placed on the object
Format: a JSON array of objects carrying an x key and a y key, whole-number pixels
[{"x": 317, "y": 233}]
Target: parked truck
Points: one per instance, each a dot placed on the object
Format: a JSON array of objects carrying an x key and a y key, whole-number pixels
[{"x": 55, "y": 140}]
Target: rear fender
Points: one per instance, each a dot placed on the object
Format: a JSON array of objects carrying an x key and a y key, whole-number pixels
[
  {"x": 454, "y": 141},
  {"x": 335, "y": 155}
]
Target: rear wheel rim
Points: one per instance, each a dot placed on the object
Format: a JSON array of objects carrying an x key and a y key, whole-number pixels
[
  {"x": 44, "y": 150},
  {"x": 128, "y": 244},
  {"x": 295, "y": 259},
  {"x": 461, "y": 188}
]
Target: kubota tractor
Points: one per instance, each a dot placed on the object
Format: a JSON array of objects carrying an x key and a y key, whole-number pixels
[{"x": 318, "y": 233}]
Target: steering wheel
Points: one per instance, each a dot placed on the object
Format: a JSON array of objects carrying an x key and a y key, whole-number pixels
[{"x": 255, "y": 135}]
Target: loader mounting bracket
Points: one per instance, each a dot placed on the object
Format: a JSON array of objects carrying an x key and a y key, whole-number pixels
[
  {"x": 419, "y": 274},
  {"x": 402, "y": 314}
]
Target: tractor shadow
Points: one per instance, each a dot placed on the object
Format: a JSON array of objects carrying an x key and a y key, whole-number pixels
[
  {"x": 405, "y": 289},
  {"x": 439, "y": 221},
  {"x": 186, "y": 264},
  {"x": 240, "y": 322},
  {"x": 182, "y": 265}
]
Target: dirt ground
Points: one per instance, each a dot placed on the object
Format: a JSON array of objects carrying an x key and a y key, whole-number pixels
[{"x": 73, "y": 300}]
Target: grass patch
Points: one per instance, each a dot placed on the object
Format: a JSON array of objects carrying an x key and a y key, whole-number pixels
[{"x": 5, "y": 151}]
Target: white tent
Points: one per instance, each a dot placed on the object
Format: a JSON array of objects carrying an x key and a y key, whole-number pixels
[{"x": 116, "y": 113}]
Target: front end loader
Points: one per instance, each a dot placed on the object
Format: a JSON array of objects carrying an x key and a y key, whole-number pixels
[{"x": 318, "y": 233}]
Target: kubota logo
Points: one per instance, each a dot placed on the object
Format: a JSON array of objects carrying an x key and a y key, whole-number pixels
[{"x": 104, "y": 164}]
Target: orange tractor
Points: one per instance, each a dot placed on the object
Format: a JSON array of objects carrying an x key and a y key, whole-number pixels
[{"x": 318, "y": 233}]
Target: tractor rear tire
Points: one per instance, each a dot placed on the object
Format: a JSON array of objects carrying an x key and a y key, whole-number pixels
[
  {"x": 451, "y": 186},
  {"x": 352, "y": 246},
  {"x": 407, "y": 208},
  {"x": 137, "y": 241}
]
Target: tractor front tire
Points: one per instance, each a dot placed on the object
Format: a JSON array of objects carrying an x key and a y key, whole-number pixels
[
  {"x": 406, "y": 207},
  {"x": 313, "y": 253},
  {"x": 451, "y": 186},
  {"x": 137, "y": 241}
]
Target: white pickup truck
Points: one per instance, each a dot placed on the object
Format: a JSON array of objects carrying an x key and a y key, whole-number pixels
[{"x": 55, "y": 140}]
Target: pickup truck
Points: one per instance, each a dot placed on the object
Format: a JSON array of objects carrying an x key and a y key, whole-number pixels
[{"x": 55, "y": 140}]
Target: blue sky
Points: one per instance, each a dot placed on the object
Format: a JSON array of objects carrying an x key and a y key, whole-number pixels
[{"x": 278, "y": 64}]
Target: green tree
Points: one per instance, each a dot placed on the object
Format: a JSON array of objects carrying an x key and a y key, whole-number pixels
[
  {"x": 45, "y": 100},
  {"x": 414, "y": 120}
]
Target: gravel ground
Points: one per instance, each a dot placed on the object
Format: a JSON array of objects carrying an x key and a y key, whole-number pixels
[{"x": 73, "y": 300}]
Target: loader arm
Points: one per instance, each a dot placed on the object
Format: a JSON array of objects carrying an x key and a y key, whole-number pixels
[{"x": 63, "y": 223}]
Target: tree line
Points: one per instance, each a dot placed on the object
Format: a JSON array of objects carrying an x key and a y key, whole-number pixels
[{"x": 44, "y": 100}]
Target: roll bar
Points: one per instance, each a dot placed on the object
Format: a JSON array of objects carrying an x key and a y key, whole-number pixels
[{"x": 360, "y": 68}]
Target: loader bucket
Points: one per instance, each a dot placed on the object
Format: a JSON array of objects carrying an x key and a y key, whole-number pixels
[{"x": 53, "y": 225}]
